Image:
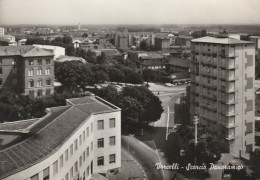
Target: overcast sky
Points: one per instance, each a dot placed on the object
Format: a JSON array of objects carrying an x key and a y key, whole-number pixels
[{"x": 130, "y": 11}]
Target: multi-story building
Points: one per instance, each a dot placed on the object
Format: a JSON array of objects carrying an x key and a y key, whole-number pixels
[
  {"x": 27, "y": 69},
  {"x": 76, "y": 141},
  {"x": 222, "y": 91},
  {"x": 161, "y": 43},
  {"x": 2, "y": 31},
  {"x": 256, "y": 40},
  {"x": 121, "y": 41}
]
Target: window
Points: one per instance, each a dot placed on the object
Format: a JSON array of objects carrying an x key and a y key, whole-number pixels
[
  {"x": 87, "y": 151},
  {"x": 87, "y": 170},
  {"x": 112, "y": 158},
  {"x": 35, "y": 177},
  {"x": 71, "y": 150},
  {"x": 100, "y": 124},
  {"x": 39, "y": 61},
  {"x": 46, "y": 175},
  {"x": 87, "y": 131},
  {"x": 112, "y": 123},
  {"x": 80, "y": 140},
  {"x": 100, "y": 161},
  {"x": 31, "y": 83},
  {"x": 1, "y": 70},
  {"x": 76, "y": 144},
  {"x": 67, "y": 176},
  {"x": 80, "y": 161},
  {"x": 84, "y": 156},
  {"x": 31, "y": 94},
  {"x": 91, "y": 146},
  {"x": 48, "y": 92},
  {"x": 39, "y": 93},
  {"x": 39, "y": 83},
  {"x": 84, "y": 135},
  {"x": 71, "y": 173},
  {"x": 61, "y": 160},
  {"x": 48, "y": 61},
  {"x": 48, "y": 71},
  {"x": 48, "y": 81},
  {"x": 76, "y": 166},
  {"x": 31, "y": 62},
  {"x": 55, "y": 167},
  {"x": 112, "y": 140},
  {"x": 67, "y": 155},
  {"x": 39, "y": 72},
  {"x": 100, "y": 143},
  {"x": 0, "y": 62},
  {"x": 30, "y": 72}
]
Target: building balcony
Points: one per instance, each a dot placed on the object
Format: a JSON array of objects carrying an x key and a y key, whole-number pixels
[
  {"x": 229, "y": 101},
  {"x": 229, "y": 113},
  {"x": 230, "y": 78},
  {"x": 229, "y": 138},
  {"x": 229, "y": 126},
  {"x": 228, "y": 65}
]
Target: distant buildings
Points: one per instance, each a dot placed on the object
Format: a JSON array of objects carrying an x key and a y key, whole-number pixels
[
  {"x": 178, "y": 66},
  {"x": 56, "y": 50},
  {"x": 2, "y": 31},
  {"x": 81, "y": 140},
  {"x": 256, "y": 40},
  {"x": 161, "y": 43},
  {"x": 27, "y": 69},
  {"x": 183, "y": 40},
  {"x": 121, "y": 41},
  {"x": 222, "y": 91}
]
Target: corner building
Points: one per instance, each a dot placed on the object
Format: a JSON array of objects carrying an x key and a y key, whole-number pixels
[
  {"x": 79, "y": 141},
  {"x": 222, "y": 91},
  {"x": 27, "y": 69}
]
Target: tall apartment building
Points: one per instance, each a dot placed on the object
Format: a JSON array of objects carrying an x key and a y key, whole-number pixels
[
  {"x": 73, "y": 142},
  {"x": 222, "y": 91},
  {"x": 27, "y": 69},
  {"x": 121, "y": 41}
]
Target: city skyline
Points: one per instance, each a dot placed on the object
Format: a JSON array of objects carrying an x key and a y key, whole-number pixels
[{"x": 129, "y": 12}]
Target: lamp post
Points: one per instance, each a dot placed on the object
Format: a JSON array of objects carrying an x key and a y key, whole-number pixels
[{"x": 195, "y": 121}]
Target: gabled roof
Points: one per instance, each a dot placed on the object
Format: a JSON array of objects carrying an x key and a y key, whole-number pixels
[
  {"x": 25, "y": 51},
  {"x": 217, "y": 40}
]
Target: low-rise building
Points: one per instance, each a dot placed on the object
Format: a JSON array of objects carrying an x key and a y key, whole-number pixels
[
  {"x": 78, "y": 141},
  {"x": 161, "y": 43}
]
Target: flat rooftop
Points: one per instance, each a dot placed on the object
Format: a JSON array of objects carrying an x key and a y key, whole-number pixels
[
  {"x": 220, "y": 40},
  {"x": 48, "y": 133}
]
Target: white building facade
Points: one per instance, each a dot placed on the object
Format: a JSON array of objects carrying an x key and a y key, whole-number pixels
[
  {"x": 222, "y": 91},
  {"x": 89, "y": 130}
]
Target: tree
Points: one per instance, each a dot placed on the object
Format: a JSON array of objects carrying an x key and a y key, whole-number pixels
[
  {"x": 102, "y": 58},
  {"x": 85, "y": 35},
  {"x": 206, "y": 150},
  {"x": 116, "y": 75},
  {"x": 73, "y": 75},
  {"x": 144, "y": 45},
  {"x": 131, "y": 109},
  {"x": 100, "y": 76},
  {"x": 152, "y": 108},
  {"x": 133, "y": 77}
]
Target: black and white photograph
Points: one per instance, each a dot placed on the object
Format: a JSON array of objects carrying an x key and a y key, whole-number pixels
[{"x": 129, "y": 89}]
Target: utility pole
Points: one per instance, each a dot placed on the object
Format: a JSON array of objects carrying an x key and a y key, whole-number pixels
[{"x": 195, "y": 120}]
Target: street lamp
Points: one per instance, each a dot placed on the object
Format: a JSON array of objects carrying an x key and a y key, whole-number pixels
[{"x": 195, "y": 121}]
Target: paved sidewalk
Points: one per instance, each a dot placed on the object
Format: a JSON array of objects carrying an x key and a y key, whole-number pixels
[{"x": 130, "y": 169}]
